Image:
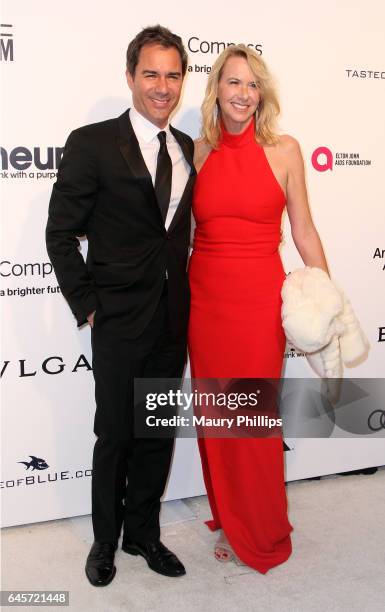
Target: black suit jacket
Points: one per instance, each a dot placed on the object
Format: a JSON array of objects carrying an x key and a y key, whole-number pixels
[{"x": 104, "y": 190}]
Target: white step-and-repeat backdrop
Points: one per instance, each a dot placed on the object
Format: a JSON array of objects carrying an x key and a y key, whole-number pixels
[{"x": 63, "y": 66}]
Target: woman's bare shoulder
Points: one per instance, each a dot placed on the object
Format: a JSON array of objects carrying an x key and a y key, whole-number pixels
[
  {"x": 201, "y": 151},
  {"x": 201, "y": 146},
  {"x": 287, "y": 144}
]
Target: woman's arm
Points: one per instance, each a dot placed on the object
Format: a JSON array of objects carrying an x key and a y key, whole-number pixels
[{"x": 303, "y": 230}]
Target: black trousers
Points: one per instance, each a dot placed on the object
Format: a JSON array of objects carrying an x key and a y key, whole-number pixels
[{"x": 129, "y": 474}]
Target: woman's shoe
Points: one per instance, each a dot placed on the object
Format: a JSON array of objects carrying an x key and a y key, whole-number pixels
[{"x": 223, "y": 551}]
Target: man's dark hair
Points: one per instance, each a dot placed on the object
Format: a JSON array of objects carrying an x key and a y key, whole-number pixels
[{"x": 154, "y": 35}]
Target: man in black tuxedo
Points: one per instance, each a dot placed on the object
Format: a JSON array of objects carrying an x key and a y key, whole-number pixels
[{"x": 126, "y": 184}]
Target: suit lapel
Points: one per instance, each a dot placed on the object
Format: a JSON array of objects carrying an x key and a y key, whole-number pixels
[
  {"x": 185, "y": 199},
  {"x": 184, "y": 146},
  {"x": 130, "y": 150}
]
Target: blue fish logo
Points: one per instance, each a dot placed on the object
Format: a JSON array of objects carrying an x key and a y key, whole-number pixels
[{"x": 36, "y": 463}]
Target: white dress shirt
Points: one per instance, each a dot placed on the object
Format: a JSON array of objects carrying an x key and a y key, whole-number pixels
[{"x": 147, "y": 136}]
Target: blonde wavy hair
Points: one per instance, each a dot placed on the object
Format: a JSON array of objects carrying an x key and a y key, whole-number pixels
[{"x": 268, "y": 107}]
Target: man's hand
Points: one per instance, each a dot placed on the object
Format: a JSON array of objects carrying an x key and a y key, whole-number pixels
[{"x": 90, "y": 318}]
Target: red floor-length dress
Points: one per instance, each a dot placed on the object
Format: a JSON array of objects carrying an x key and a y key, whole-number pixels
[{"x": 235, "y": 331}]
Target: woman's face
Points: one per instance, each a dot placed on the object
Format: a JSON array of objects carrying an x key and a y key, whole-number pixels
[{"x": 238, "y": 94}]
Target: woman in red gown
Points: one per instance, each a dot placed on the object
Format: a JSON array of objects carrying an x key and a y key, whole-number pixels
[{"x": 246, "y": 176}]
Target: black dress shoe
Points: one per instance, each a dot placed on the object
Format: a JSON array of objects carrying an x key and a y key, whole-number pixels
[
  {"x": 100, "y": 568},
  {"x": 158, "y": 557}
]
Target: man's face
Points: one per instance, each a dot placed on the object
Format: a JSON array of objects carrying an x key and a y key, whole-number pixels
[{"x": 157, "y": 83}]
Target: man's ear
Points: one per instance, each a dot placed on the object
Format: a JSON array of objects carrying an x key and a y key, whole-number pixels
[{"x": 130, "y": 80}]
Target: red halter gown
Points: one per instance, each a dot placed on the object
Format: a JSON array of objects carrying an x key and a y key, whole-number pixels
[{"x": 235, "y": 331}]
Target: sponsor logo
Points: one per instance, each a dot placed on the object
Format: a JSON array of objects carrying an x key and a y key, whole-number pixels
[
  {"x": 8, "y": 268},
  {"x": 324, "y": 159},
  {"x": 380, "y": 254},
  {"x": 23, "y": 291},
  {"x": 36, "y": 163},
  {"x": 196, "y": 45},
  {"x": 212, "y": 47},
  {"x": 14, "y": 271},
  {"x": 6, "y": 43},
  {"x": 364, "y": 74},
  {"x": 39, "y": 464},
  {"x": 21, "y": 368},
  {"x": 36, "y": 463},
  {"x": 291, "y": 353},
  {"x": 376, "y": 420}
]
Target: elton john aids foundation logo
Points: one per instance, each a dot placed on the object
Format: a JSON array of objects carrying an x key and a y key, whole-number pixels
[{"x": 323, "y": 159}]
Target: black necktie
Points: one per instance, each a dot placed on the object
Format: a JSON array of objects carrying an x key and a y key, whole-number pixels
[{"x": 163, "y": 176}]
